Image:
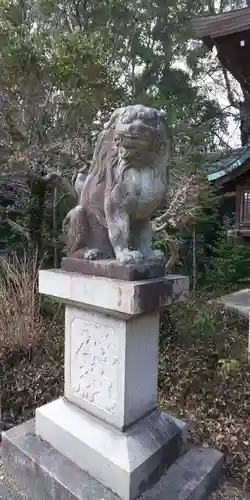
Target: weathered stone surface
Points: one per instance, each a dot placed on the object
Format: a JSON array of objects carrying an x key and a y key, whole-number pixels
[
  {"x": 113, "y": 295},
  {"x": 110, "y": 268},
  {"x": 47, "y": 475},
  {"x": 9, "y": 490},
  {"x": 121, "y": 461},
  {"x": 4, "y": 495},
  {"x": 111, "y": 367},
  {"x": 104, "y": 356},
  {"x": 192, "y": 477},
  {"x": 126, "y": 183}
]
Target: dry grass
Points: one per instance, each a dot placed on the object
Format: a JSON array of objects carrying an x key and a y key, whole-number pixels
[
  {"x": 21, "y": 324},
  {"x": 31, "y": 342}
]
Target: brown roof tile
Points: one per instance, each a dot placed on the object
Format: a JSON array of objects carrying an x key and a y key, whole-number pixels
[{"x": 222, "y": 24}]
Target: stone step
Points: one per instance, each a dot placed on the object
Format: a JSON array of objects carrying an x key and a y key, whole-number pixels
[
  {"x": 4, "y": 494},
  {"x": 46, "y": 474},
  {"x": 9, "y": 490},
  {"x": 194, "y": 476}
]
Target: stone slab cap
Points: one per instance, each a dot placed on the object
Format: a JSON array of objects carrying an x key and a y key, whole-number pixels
[
  {"x": 111, "y": 268},
  {"x": 114, "y": 296}
]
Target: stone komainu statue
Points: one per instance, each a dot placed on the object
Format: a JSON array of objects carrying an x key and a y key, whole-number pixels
[{"x": 127, "y": 181}]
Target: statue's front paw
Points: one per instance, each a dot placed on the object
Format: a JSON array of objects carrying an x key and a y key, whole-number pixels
[
  {"x": 129, "y": 256},
  {"x": 93, "y": 254}
]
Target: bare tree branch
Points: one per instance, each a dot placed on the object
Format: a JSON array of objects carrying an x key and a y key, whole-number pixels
[
  {"x": 230, "y": 95},
  {"x": 19, "y": 229}
]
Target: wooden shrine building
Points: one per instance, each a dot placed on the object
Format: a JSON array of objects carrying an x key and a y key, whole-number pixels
[{"x": 229, "y": 32}]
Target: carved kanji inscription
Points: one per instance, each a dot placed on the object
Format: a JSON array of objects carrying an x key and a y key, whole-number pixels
[{"x": 94, "y": 363}]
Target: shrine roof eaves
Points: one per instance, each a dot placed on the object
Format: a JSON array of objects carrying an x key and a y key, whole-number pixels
[
  {"x": 223, "y": 24},
  {"x": 226, "y": 165}
]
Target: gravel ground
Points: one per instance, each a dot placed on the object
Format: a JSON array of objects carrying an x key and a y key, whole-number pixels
[{"x": 228, "y": 491}]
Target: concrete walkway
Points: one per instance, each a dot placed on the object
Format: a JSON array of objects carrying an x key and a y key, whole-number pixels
[{"x": 238, "y": 301}]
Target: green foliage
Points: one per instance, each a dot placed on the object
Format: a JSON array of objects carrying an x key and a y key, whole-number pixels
[
  {"x": 205, "y": 225},
  {"x": 64, "y": 66},
  {"x": 230, "y": 263},
  {"x": 53, "y": 81},
  {"x": 58, "y": 57}
]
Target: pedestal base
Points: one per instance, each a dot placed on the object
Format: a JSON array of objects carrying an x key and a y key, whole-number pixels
[
  {"x": 109, "y": 268},
  {"x": 122, "y": 461},
  {"x": 45, "y": 474}
]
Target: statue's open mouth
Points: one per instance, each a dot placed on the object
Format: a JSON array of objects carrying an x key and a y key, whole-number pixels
[{"x": 139, "y": 139}]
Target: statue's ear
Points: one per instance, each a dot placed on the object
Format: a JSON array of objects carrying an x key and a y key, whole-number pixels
[
  {"x": 162, "y": 119},
  {"x": 113, "y": 118},
  {"x": 110, "y": 123}
]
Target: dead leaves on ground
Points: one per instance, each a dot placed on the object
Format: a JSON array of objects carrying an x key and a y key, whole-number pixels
[
  {"x": 27, "y": 381},
  {"x": 206, "y": 379}
]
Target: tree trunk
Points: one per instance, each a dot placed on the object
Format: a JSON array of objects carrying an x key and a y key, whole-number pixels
[
  {"x": 36, "y": 213},
  {"x": 245, "y": 119},
  {"x": 54, "y": 213}
]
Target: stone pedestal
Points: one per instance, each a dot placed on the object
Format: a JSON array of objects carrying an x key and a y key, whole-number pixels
[
  {"x": 108, "y": 423},
  {"x": 106, "y": 439}
]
